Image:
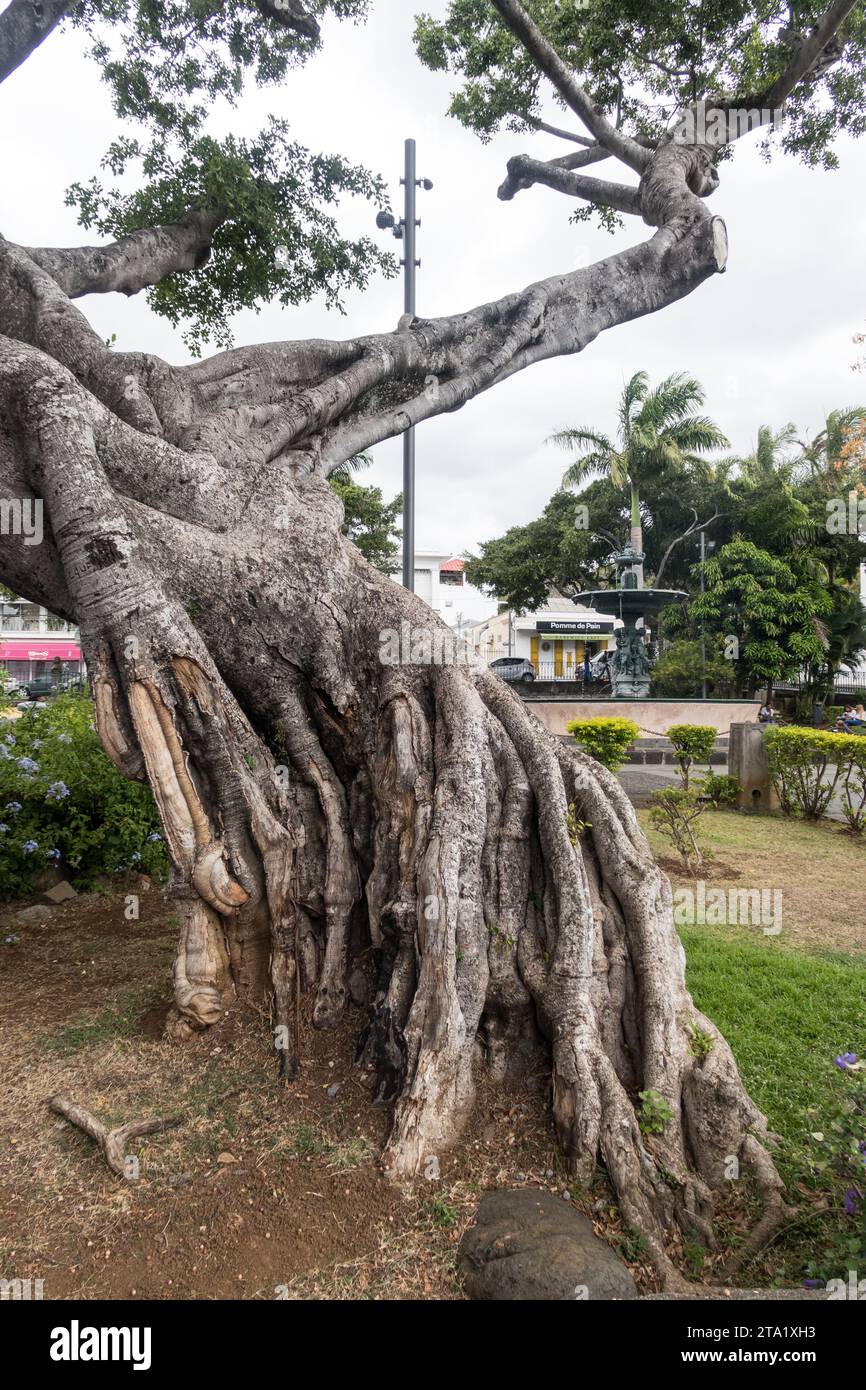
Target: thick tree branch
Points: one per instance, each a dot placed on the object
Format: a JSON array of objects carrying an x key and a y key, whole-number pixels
[
  {"x": 524, "y": 171},
  {"x": 135, "y": 261},
  {"x": 291, "y": 15},
  {"x": 810, "y": 52},
  {"x": 594, "y": 154},
  {"x": 546, "y": 58},
  {"x": 23, "y": 26}
]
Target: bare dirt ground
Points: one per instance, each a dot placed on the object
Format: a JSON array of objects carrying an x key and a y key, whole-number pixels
[{"x": 261, "y": 1192}]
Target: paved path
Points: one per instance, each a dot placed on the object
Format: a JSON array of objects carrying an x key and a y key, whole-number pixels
[{"x": 639, "y": 781}]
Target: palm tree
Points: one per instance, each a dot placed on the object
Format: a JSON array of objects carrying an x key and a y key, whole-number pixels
[
  {"x": 770, "y": 461},
  {"x": 822, "y": 453},
  {"x": 659, "y": 437}
]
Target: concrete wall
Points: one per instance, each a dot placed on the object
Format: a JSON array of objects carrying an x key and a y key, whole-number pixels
[{"x": 651, "y": 716}]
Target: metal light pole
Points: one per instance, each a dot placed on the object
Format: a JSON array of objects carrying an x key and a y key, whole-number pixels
[
  {"x": 404, "y": 231},
  {"x": 704, "y": 549}
]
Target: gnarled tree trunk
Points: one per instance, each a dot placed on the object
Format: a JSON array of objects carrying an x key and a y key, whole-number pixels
[{"x": 241, "y": 654}]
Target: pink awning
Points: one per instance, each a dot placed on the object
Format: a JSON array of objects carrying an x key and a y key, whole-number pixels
[{"x": 24, "y": 651}]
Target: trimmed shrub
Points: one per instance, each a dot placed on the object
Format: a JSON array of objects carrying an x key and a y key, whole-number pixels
[
  {"x": 62, "y": 802},
  {"x": 808, "y": 765},
  {"x": 720, "y": 789},
  {"x": 693, "y": 743},
  {"x": 605, "y": 739}
]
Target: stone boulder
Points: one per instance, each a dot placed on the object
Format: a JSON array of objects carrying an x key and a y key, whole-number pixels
[{"x": 530, "y": 1245}]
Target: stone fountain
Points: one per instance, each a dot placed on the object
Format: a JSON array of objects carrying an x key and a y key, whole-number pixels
[{"x": 632, "y": 663}]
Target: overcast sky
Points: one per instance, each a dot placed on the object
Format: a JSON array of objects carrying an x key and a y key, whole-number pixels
[{"x": 770, "y": 339}]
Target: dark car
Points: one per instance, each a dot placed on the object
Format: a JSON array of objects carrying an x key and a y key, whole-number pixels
[
  {"x": 513, "y": 668},
  {"x": 40, "y": 686}
]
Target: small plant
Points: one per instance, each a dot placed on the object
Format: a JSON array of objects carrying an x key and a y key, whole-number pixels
[
  {"x": 700, "y": 1043},
  {"x": 442, "y": 1213},
  {"x": 693, "y": 743},
  {"x": 718, "y": 788},
  {"x": 837, "y": 1152},
  {"x": 674, "y": 812},
  {"x": 605, "y": 739},
  {"x": 576, "y": 826},
  {"x": 655, "y": 1113}
]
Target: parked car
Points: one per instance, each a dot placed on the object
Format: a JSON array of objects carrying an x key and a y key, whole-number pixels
[
  {"x": 513, "y": 668},
  {"x": 40, "y": 686}
]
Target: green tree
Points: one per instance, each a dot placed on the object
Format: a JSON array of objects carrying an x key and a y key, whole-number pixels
[
  {"x": 371, "y": 523},
  {"x": 660, "y": 437},
  {"x": 773, "y": 610}
]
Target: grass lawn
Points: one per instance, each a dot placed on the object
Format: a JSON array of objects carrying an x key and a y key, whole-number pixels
[{"x": 788, "y": 1005}]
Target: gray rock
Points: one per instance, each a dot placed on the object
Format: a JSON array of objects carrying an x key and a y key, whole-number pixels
[
  {"x": 60, "y": 892},
  {"x": 527, "y": 1244},
  {"x": 37, "y": 913}
]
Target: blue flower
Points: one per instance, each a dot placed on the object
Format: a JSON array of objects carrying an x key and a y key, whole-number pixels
[
  {"x": 52, "y": 854},
  {"x": 135, "y": 858},
  {"x": 13, "y": 806},
  {"x": 4, "y": 829},
  {"x": 63, "y": 738},
  {"x": 845, "y": 1060},
  {"x": 29, "y": 846},
  {"x": 57, "y": 791},
  {"x": 851, "y": 1200},
  {"x": 28, "y": 765},
  {"x": 10, "y": 739},
  {"x": 153, "y": 837}
]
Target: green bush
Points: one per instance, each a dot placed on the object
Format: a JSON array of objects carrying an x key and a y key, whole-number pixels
[
  {"x": 693, "y": 743},
  {"x": 807, "y": 766},
  {"x": 605, "y": 739},
  {"x": 719, "y": 788},
  {"x": 63, "y": 802}
]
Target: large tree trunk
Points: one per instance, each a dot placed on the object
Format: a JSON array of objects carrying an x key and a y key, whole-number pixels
[{"x": 315, "y": 780}]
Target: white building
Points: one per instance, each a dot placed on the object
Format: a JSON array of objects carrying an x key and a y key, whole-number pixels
[
  {"x": 33, "y": 642},
  {"x": 440, "y": 581},
  {"x": 555, "y": 638}
]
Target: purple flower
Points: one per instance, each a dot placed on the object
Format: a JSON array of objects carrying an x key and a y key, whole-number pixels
[
  {"x": 28, "y": 765},
  {"x": 57, "y": 791},
  {"x": 10, "y": 739},
  {"x": 153, "y": 837},
  {"x": 4, "y": 829},
  {"x": 52, "y": 854},
  {"x": 813, "y": 1283},
  {"x": 29, "y": 846},
  {"x": 13, "y": 807},
  {"x": 845, "y": 1060},
  {"x": 851, "y": 1200}
]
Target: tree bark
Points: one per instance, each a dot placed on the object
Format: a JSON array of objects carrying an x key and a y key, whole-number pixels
[{"x": 312, "y": 784}]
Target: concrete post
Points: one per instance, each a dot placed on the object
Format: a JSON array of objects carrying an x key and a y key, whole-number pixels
[{"x": 747, "y": 761}]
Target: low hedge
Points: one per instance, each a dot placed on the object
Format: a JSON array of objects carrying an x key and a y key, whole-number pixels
[
  {"x": 605, "y": 739},
  {"x": 808, "y": 767}
]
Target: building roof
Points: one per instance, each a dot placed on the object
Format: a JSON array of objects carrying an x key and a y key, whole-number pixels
[{"x": 455, "y": 566}]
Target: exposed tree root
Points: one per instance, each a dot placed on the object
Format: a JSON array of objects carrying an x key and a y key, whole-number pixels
[{"x": 112, "y": 1142}]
